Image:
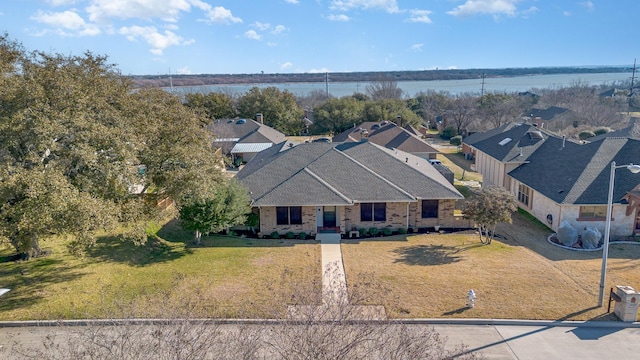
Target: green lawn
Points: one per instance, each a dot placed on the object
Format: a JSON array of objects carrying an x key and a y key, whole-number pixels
[{"x": 225, "y": 276}]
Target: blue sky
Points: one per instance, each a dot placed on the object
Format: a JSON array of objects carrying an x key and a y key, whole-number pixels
[{"x": 289, "y": 36}]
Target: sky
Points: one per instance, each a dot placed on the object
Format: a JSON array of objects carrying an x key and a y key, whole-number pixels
[{"x": 152, "y": 37}]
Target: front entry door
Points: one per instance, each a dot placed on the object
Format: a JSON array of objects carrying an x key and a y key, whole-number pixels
[{"x": 329, "y": 217}]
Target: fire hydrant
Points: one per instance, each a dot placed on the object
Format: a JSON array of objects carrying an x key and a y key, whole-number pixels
[{"x": 471, "y": 298}]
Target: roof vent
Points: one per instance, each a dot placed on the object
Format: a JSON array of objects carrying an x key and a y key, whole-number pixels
[
  {"x": 504, "y": 141},
  {"x": 241, "y": 121},
  {"x": 375, "y": 127},
  {"x": 535, "y": 134},
  {"x": 384, "y": 122}
]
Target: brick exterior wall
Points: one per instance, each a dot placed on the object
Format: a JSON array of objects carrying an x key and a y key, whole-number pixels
[{"x": 397, "y": 215}]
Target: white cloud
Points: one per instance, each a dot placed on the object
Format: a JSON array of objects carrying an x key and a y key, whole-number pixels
[
  {"x": 184, "y": 71},
  {"x": 589, "y": 5},
  {"x": 291, "y": 1},
  {"x": 67, "y": 23},
  {"x": 420, "y": 16},
  {"x": 566, "y": 13},
  {"x": 321, "y": 70},
  {"x": 417, "y": 47},
  {"x": 338, "y": 17},
  {"x": 158, "y": 41},
  {"x": 61, "y": 2},
  {"x": 220, "y": 15},
  {"x": 253, "y": 35},
  {"x": 494, "y": 7},
  {"x": 272, "y": 44},
  {"x": 261, "y": 26},
  {"x": 390, "y": 6},
  {"x": 279, "y": 29},
  {"x": 286, "y": 65}
]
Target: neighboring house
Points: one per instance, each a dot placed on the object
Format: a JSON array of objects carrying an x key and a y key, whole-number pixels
[
  {"x": 389, "y": 135},
  {"x": 553, "y": 118},
  {"x": 498, "y": 151},
  {"x": 341, "y": 187},
  {"x": 242, "y": 139},
  {"x": 567, "y": 181}
]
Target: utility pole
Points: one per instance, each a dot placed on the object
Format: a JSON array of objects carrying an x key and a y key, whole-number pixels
[
  {"x": 633, "y": 77},
  {"x": 482, "y": 90},
  {"x": 326, "y": 82}
]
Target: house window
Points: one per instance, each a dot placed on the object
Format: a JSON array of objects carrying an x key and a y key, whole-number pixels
[
  {"x": 373, "y": 212},
  {"x": 524, "y": 194},
  {"x": 429, "y": 209},
  {"x": 593, "y": 212},
  {"x": 288, "y": 215}
]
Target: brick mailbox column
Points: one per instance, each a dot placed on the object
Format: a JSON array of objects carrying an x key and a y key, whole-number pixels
[{"x": 627, "y": 308}]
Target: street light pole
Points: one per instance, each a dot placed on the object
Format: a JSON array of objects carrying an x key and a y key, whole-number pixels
[{"x": 607, "y": 228}]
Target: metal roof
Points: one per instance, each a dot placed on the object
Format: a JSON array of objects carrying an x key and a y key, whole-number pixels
[{"x": 250, "y": 147}]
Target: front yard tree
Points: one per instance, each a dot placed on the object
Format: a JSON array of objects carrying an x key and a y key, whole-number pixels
[
  {"x": 76, "y": 140},
  {"x": 278, "y": 108},
  {"x": 228, "y": 206},
  {"x": 487, "y": 208}
]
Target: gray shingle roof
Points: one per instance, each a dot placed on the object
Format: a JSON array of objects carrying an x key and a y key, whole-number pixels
[
  {"x": 389, "y": 135},
  {"x": 524, "y": 140},
  {"x": 631, "y": 131},
  {"x": 548, "y": 113},
  {"x": 579, "y": 174},
  {"x": 246, "y": 131},
  {"x": 341, "y": 173}
]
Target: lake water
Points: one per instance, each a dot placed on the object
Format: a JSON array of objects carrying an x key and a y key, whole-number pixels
[{"x": 473, "y": 86}]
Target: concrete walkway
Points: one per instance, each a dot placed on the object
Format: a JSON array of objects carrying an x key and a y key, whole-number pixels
[{"x": 335, "y": 296}]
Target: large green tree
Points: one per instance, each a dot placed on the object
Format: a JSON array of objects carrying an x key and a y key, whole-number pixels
[
  {"x": 227, "y": 206},
  {"x": 214, "y": 104},
  {"x": 278, "y": 108},
  {"x": 79, "y": 148},
  {"x": 337, "y": 115},
  {"x": 487, "y": 208}
]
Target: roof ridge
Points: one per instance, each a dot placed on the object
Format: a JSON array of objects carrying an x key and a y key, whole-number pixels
[
  {"x": 375, "y": 174},
  {"x": 326, "y": 184}
]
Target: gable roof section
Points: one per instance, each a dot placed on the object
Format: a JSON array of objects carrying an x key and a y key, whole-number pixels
[
  {"x": 579, "y": 174},
  {"x": 389, "y": 135},
  {"x": 338, "y": 173},
  {"x": 246, "y": 131},
  {"x": 510, "y": 141},
  {"x": 548, "y": 113}
]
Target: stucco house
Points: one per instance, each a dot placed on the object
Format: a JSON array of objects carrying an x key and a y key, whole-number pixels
[
  {"x": 340, "y": 187},
  {"x": 499, "y": 151},
  {"x": 555, "y": 179},
  {"x": 242, "y": 139},
  {"x": 571, "y": 182},
  {"x": 389, "y": 135}
]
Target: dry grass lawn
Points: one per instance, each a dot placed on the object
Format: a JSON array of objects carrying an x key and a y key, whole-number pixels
[{"x": 519, "y": 276}]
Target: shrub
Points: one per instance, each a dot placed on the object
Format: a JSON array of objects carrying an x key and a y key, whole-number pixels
[
  {"x": 456, "y": 140},
  {"x": 275, "y": 235},
  {"x": 302, "y": 236},
  {"x": 601, "y": 131},
  {"x": 387, "y": 231},
  {"x": 402, "y": 231},
  {"x": 363, "y": 232},
  {"x": 586, "y": 134},
  {"x": 289, "y": 235},
  {"x": 232, "y": 233},
  {"x": 448, "y": 133},
  {"x": 373, "y": 231}
]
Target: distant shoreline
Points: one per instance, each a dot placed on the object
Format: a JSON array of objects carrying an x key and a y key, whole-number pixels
[{"x": 424, "y": 75}]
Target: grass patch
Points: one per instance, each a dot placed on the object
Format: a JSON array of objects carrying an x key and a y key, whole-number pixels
[
  {"x": 225, "y": 276},
  {"x": 518, "y": 276}
]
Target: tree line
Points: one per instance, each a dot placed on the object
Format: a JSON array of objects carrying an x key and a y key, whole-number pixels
[{"x": 384, "y": 100}]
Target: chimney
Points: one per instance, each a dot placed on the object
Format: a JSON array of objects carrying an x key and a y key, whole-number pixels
[
  {"x": 399, "y": 120},
  {"x": 564, "y": 138},
  {"x": 259, "y": 118}
]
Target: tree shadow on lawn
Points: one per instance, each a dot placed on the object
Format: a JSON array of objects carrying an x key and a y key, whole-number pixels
[
  {"x": 428, "y": 255},
  {"x": 155, "y": 250},
  {"x": 29, "y": 280}
]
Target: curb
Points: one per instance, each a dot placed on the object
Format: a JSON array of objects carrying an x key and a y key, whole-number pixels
[{"x": 435, "y": 321}]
